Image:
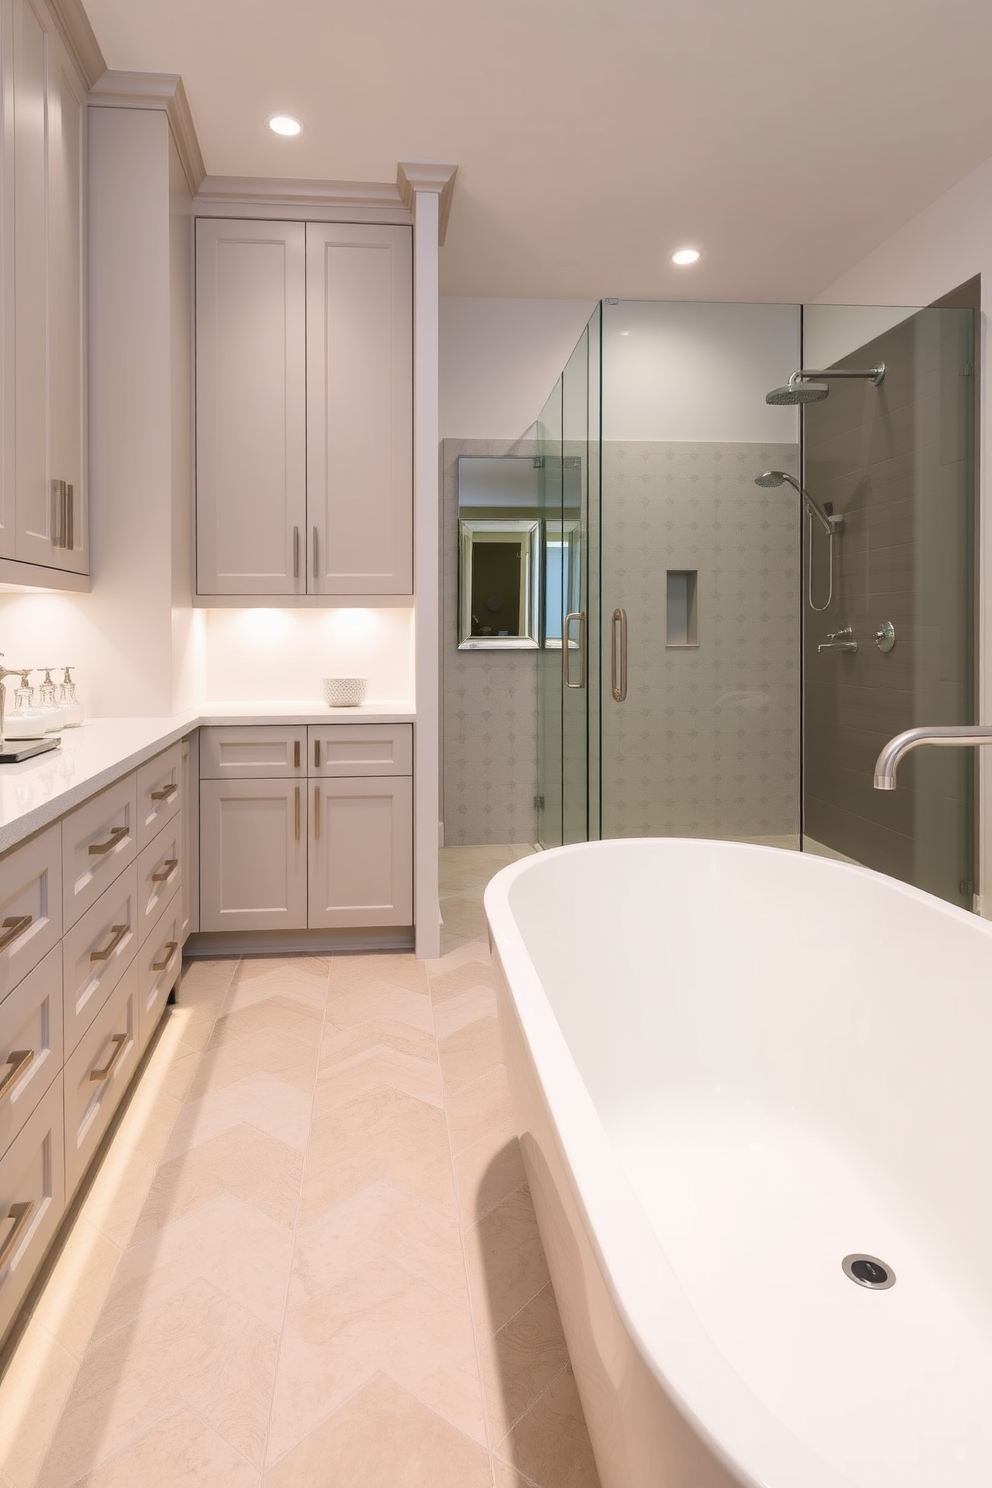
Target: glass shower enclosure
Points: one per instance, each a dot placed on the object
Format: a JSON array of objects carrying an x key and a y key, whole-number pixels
[{"x": 719, "y": 661}]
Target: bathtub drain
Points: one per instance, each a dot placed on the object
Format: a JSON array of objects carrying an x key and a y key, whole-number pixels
[{"x": 869, "y": 1271}]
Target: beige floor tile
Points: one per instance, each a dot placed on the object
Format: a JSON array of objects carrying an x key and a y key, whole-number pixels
[
  {"x": 77, "y": 1287},
  {"x": 462, "y": 914},
  {"x": 243, "y": 1161},
  {"x": 488, "y": 1172},
  {"x": 179, "y": 1451},
  {"x": 379, "y": 1318},
  {"x": 278, "y": 1055},
  {"x": 468, "y": 1054},
  {"x": 385, "y": 1135},
  {"x": 398, "y": 969},
  {"x": 388, "y": 1033},
  {"x": 118, "y": 1191},
  {"x": 522, "y": 1360},
  {"x": 236, "y": 1248},
  {"x": 148, "y": 1120},
  {"x": 461, "y": 971},
  {"x": 505, "y": 1258},
  {"x": 505, "y": 1476},
  {"x": 478, "y": 1108},
  {"x": 377, "y": 1067},
  {"x": 550, "y": 1444},
  {"x": 33, "y": 1391},
  {"x": 205, "y": 981},
  {"x": 354, "y": 1004},
  {"x": 279, "y": 1013},
  {"x": 383, "y": 1438},
  {"x": 454, "y": 1013},
  {"x": 279, "y": 1110},
  {"x": 264, "y": 974},
  {"x": 380, "y": 1221}
]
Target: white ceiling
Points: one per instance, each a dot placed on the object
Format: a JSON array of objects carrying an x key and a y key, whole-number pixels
[{"x": 785, "y": 138}]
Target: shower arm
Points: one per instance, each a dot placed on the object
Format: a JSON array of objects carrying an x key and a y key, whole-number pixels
[{"x": 809, "y": 374}]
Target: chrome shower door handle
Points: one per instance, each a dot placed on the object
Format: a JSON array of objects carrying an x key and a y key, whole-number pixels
[
  {"x": 618, "y": 656},
  {"x": 566, "y": 671}
]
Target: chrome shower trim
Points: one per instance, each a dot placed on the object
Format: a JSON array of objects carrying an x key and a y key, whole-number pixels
[
  {"x": 874, "y": 375},
  {"x": 952, "y": 734}
]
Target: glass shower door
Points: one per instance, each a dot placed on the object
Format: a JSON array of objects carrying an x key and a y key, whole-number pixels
[{"x": 555, "y": 607}]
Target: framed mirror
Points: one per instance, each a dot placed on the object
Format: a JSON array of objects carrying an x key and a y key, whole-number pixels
[{"x": 499, "y": 584}]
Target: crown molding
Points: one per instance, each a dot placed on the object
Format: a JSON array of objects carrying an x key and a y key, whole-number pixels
[
  {"x": 156, "y": 90},
  {"x": 428, "y": 175},
  {"x": 80, "y": 38},
  {"x": 342, "y": 201}
]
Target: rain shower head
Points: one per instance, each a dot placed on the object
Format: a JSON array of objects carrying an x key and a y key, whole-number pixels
[
  {"x": 797, "y": 392},
  {"x": 803, "y": 387}
]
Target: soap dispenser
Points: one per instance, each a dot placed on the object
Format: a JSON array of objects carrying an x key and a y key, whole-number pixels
[
  {"x": 25, "y": 720},
  {"x": 54, "y": 713}
]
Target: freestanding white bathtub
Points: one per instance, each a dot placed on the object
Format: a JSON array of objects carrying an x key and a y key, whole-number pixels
[{"x": 733, "y": 1068}]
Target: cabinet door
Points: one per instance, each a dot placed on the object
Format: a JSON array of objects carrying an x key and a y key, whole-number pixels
[
  {"x": 253, "y": 859},
  {"x": 7, "y": 242},
  {"x": 250, "y": 407},
  {"x": 361, "y": 852},
  {"x": 48, "y": 113},
  {"x": 359, "y": 409}
]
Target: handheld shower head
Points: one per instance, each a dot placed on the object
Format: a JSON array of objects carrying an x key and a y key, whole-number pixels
[{"x": 768, "y": 478}]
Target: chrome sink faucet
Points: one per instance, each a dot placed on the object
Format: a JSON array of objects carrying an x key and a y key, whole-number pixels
[
  {"x": 839, "y": 640},
  {"x": 959, "y": 734}
]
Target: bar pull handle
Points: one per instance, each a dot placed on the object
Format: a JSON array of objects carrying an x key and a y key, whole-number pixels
[
  {"x": 316, "y": 813},
  {"x": 316, "y": 565},
  {"x": 70, "y": 526},
  {"x": 98, "y": 849},
  {"x": 120, "y": 1040},
  {"x": 566, "y": 671},
  {"x": 166, "y": 793},
  {"x": 618, "y": 656},
  {"x": 296, "y": 552},
  {"x": 21, "y": 1215},
  {"x": 13, "y": 926},
  {"x": 18, "y": 1059},
  {"x": 119, "y": 933},
  {"x": 296, "y": 754},
  {"x": 58, "y": 513},
  {"x": 297, "y": 813},
  {"x": 166, "y": 871},
  {"x": 316, "y": 754},
  {"x": 170, "y": 950}
]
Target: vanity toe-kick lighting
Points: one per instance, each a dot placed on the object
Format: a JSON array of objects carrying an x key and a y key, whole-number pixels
[{"x": 955, "y": 734}]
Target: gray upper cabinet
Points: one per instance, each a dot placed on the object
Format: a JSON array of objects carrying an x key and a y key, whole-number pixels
[
  {"x": 304, "y": 363},
  {"x": 43, "y": 507}
]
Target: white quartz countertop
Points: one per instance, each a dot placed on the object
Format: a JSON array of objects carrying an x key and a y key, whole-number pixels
[{"x": 40, "y": 790}]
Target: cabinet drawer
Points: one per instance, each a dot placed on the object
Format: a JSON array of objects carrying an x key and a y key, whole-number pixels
[
  {"x": 361, "y": 749},
  {"x": 157, "y": 785},
  {"x": 32, "y": 1199},
  {"x": 95, "y": 953},
  {"x": 98, "y": 840},
  {"x": 30, "y": 905},
  {"x": 97, "y": 1074},
  {"x": 30, "y": 1044},
  {"x": 159, "y": 875},
  {"x": 252, "y": 752},
  {"x": 160, "y": 959}
]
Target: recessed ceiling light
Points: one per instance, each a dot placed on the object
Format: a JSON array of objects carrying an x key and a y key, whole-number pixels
[
  {"x": 284, "y": 124},
  {"x": 685, "y": 256}
]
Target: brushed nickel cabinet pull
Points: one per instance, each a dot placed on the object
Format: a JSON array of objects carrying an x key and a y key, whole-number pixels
[
  {"x": 316, "y": 566},
  {"x": 97, "y": 849},
  {"x": 297, "y": 810},
  {"x": 18, "y": 1059},
  {"x": 119, "y": 933},
  {"x": 120, "y": 1039},
  {"x": 316, "y": 754},
  {"x": 13, "y": 926},
  {"x": 316, "y": 813},
  {"x": 296, "y": 754},
  {"x": 58, "y": 513},
  {"x": 166, "y": 871},
  {"x": 618, "y": 656},
  {"x": 70, "y": 526},
  {"x": 296, "y": 552},
  {"x": 166, "y": 793},
  {"x": 170, "y": 950},
  {"x": 21, "y": 1215}
]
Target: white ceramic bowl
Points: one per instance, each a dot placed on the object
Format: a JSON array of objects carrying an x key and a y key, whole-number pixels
[{"x": 344, "y": 692}]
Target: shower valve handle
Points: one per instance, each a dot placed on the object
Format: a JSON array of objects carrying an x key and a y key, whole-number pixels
[{"x": 844, "y": 634}]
